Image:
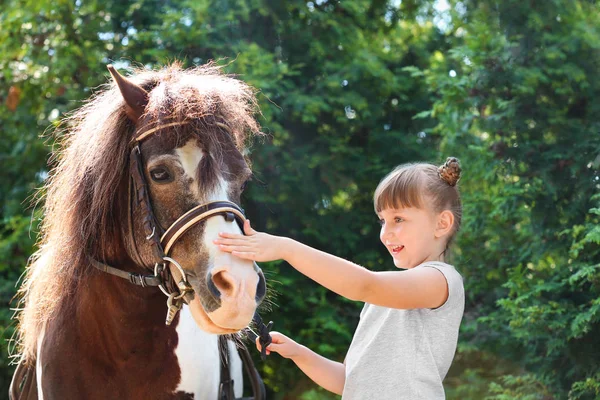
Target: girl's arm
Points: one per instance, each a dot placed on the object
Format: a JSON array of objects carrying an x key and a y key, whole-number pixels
[
  {"x": 328, "y": 374},
  {"x": 420, "y": 288}
]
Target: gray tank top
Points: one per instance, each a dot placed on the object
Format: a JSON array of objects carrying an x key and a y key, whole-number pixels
[{"x": 405, "y": 354}]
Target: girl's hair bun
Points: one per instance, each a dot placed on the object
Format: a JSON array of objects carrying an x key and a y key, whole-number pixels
[{"x": 450, "y": 171}]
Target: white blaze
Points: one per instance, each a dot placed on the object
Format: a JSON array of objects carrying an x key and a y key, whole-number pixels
[
  {"x": 198, "y": 351},
  {"x": 189, "y": 157}
]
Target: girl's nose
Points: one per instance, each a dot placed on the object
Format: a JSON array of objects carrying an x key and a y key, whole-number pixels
[{"x": 385, "y": 235}]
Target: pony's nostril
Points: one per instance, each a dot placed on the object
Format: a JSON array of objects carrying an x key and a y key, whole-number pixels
[
  {"x": 261, "y": 288},
  {"x": 223, "y": 283},
  {"x": 212, "y": 287}
]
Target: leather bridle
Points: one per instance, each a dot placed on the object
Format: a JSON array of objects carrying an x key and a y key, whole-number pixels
[{"x": 173, "y": 281}]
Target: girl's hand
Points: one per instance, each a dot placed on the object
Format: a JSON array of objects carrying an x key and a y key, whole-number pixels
[
  {"x": 281, "y": 344},
  {"x": 256, "y": 246}
]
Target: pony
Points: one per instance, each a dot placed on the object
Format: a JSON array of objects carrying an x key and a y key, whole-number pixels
[{"x": 156, "y": 149}]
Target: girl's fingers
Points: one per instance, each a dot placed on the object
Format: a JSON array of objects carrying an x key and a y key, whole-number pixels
[
  {"x": 247, "y": 255},
  {"x": 276, "y": 339},
  {"x": 230, "y": 242},
  {"x": 268, "y": 352},
  {"x": 259, "y": 347},
  {"x": 248, "y": 229},
  {"x": 231, "y": 235},
  {"x": 235, "y": 242},
  {"x": 231, "y": 249}
]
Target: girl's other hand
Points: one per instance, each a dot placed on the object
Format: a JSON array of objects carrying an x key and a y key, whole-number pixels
[
  {"x": 283, "y": 345},
  {"x": 256, "y": 246}
]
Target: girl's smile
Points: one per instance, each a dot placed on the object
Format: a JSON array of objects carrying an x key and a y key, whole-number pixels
[{"x": 395, "y": 249}]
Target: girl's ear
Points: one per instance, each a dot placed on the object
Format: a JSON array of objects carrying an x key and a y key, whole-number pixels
[{"x": 445, "y": 222}]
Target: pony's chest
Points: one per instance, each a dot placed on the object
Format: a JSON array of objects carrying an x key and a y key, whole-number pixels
[
  {"x": 182, "y": 365},
  {"x": 197, "y": 353}
]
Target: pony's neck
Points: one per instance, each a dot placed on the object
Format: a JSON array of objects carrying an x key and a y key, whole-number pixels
[
  {"x": 113, "y": 306},
  {"x": 125, "y": 316},
  {"x": 111, "y": 328},
  {"x": 127, "y": 307}
]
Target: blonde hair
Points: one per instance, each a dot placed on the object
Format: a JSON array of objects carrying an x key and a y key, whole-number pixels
[{"x": 423, "y": 186}]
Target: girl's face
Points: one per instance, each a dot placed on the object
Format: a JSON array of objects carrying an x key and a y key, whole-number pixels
[{"x": 409, "y": 236}]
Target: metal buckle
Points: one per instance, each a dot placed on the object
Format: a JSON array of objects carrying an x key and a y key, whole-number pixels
[
  {"x": 183, "y": 285},
  {"x": 173, "y": 307},
  {"x": 161, "y": 287}
]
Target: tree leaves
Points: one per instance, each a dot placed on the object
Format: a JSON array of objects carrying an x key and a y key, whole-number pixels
[{"x": 348, "y": 90}]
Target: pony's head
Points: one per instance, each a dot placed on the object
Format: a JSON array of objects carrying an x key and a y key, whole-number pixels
[
  {"x": 190, "y": 133},
  {"x": 200, "y": 121}
]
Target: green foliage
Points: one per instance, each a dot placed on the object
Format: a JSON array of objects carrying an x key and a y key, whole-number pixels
[
  {"x": 524, "y": 387},
  {"x": 347, "y": 91}
]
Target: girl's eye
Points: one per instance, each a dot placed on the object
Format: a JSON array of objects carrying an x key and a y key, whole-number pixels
[
  {"x": 381, "y": 222},
  {"x": 160, "y": 175},
  {"x": 398, "y": 220}
]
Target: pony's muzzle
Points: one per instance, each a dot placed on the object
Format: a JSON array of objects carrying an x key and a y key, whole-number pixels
[
  {"x": 224, "y": 284},
  {"x": 235, "y": 287}
]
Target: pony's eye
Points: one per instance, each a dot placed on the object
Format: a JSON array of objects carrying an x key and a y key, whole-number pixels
[
  {"x": 245, "y": 184},
  {"x": 160, "y": 175}
]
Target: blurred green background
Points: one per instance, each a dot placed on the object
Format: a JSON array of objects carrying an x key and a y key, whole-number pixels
[{"x": 348, "y": 90}]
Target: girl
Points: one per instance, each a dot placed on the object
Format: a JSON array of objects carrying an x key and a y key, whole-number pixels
[{"x": 408, "y": 329}]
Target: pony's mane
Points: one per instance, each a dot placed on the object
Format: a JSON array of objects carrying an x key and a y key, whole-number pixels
[{"x": 81, "y": 203}]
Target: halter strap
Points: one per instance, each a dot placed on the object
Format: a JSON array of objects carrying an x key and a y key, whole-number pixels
[
  {"x": 197, "y": 214},
  {"x": 141, "y": 197},
  {"x": 141, "y": 136},
  {"x": 149, "y": 132},
  {"x": 136, "y": 279}
]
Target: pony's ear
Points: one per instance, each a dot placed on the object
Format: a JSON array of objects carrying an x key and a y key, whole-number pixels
[{"x": 136, "y": 98}]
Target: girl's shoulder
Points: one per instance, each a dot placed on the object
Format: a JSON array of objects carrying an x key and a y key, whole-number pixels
[
  {"x": 456, "y": 292},
  {"x": 443, "y": 267}
]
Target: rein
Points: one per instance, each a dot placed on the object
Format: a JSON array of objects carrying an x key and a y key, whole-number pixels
[{"x": 173, "y": 281}]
